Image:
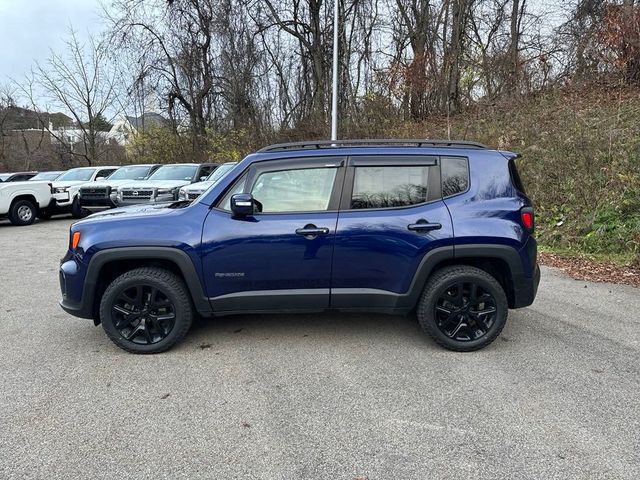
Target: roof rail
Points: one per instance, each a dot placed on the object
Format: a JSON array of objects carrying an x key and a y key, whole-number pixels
[{"x": 317, "y": 144}]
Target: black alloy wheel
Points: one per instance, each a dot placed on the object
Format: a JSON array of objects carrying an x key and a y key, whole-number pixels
[
  {"x": 143, "y": 314},
  {"x": 465, "y": 311}
]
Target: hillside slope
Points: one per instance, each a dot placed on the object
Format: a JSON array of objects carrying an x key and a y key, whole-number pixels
[{"x": 581, "y": 162}]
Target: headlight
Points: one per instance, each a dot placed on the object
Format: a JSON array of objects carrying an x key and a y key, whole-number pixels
[
  {"x": 182, "y": 195},
  {"x": 62, "y": 189}
]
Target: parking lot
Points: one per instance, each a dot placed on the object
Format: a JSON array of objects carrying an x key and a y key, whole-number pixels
[{"x": 316, "y": 396}]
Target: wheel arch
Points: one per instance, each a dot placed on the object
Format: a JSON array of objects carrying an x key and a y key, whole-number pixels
[
  {"x": 500, "y": 261},
  {"x": 106, "y": 265},
  {"x": 25, "y": 196}
]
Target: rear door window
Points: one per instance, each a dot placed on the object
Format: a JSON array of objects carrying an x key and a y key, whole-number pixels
[
  {"x": 391, "y": 182},
  {"x": 385, "y": 187}
]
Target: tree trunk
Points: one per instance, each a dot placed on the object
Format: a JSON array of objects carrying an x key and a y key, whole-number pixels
[{"x": 455, "y": 52}]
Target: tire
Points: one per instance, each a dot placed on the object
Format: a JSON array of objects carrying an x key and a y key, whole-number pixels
[
  {"x": 76, "y": 209},
  {"x": 22, "y": 212},
  {"x": 457, "y": 315},
  {"x": 149, "y": 337}
]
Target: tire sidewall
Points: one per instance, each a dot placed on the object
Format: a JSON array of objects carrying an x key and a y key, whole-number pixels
[
  {"x": 428, "y": 317},
  {"x": 117, "y": 287},
  {"x": 16, "y": 220}
]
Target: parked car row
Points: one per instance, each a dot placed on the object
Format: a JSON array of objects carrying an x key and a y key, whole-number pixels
[{"x": 26, "y": 196}]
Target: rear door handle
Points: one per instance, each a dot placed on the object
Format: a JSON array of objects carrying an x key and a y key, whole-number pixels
[
  {"x": 424, "y": 226},
  {"x": 311, "y": 230}
]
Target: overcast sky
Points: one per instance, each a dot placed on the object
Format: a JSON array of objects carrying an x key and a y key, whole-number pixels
[{"x": 29, "y": 28}]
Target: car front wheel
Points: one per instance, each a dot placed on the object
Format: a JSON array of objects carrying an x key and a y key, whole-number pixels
[
  {"x": 146, "y": 310},
  {"x": 463, "y": 308},
  {"x": 76, "y": 209}
]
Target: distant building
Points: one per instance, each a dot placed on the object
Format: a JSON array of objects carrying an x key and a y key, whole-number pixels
[
  {"x": 65, "y": 130},
  {"x": 124, "y": 127}
]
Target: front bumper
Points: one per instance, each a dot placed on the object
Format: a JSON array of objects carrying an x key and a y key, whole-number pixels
[
  {"x": 96, "y": 205},
  {"x": 72, "y": 276},
  {"x": 62, "y": 199}
]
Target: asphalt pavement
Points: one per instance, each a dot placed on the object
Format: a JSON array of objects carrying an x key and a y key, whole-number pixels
[{"x": 323, "y": 396}]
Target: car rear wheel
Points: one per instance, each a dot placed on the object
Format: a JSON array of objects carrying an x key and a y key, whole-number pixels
[
  {"x": 146, "y": 310},
  {"x": 22, "y": 212},
  {"x": 463, "y": 308}
]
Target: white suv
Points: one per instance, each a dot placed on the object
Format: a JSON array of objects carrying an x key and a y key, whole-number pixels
[
  {"x": 194, "y": 190},
  {"x": 67, "y": 186}
]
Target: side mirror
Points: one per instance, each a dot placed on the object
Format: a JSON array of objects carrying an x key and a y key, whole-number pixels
[
  {"x": 203, "y": 178},
  {"x": 242, "y": 205}
]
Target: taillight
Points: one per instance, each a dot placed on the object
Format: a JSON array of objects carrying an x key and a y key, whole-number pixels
[{"x": 528, "y": 218}]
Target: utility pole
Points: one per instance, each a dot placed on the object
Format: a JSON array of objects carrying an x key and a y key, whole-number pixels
[{"x": 334, "y": 93}]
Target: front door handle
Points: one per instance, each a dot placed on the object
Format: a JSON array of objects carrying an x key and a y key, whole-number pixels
[
  {"x": 424, "y": 226},
  {"x": 311, "y": 230}
]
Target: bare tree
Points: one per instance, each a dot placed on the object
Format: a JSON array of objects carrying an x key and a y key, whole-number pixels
[{"x": 79, "y": 82}]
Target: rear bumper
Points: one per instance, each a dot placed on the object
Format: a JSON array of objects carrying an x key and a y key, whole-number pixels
[{"x": 525, "y": 289}]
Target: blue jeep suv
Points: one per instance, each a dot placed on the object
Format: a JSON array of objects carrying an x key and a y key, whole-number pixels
[{"x": 440, "y": 228}]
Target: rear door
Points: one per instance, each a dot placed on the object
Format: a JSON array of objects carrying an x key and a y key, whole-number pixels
[{"x": 391, "y": 216}]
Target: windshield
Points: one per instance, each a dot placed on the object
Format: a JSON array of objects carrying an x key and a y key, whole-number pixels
[
  {"x": 77, "y": 174},
  {"x": 175, "y": 172},
  {"x": 224, "y": 170},
  {"x": 220, "y": 172},
  {"x": 46, "y": 176},
  {"x": 130, "y": 173}
]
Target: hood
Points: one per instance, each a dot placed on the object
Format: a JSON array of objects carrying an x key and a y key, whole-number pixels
[
  {"x": 136, "y": 211},
  {"x": 25, "y": 183},
  {"x": 198, "y": 187},
  {"x": 69, "y": 183},
  {"x": 142, "y": 184},
  {"x": 107, "y": 183}
]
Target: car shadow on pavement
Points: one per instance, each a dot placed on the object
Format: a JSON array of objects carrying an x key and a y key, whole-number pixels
[{"x": 326, "y": 326}]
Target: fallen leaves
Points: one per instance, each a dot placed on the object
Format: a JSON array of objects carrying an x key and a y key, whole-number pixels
[{"x": 593, "y": 271}]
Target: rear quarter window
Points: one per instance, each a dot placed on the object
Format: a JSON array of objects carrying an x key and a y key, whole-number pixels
[{"x": 455, "y": 175}]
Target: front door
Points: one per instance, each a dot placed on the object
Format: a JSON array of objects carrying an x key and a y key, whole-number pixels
[
  {"x": 279, "y": 258},
  {"x": 391, "y": 216}
]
